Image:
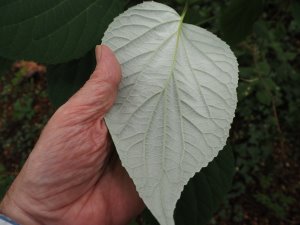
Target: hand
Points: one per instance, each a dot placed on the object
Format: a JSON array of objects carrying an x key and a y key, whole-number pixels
[{"x": 73, "y": 176}]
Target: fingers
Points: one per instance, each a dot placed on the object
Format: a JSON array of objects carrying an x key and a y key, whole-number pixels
[
  {"x": 98, "y": 94},
  {"x": 98, "y": 53},
  {"x": 107, "y": 64}
]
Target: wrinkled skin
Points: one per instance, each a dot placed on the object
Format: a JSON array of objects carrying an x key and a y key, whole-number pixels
[{"x": 72, "y": 175}]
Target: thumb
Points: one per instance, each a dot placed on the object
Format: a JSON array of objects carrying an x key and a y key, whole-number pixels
[{"x": 98, "y": 94}]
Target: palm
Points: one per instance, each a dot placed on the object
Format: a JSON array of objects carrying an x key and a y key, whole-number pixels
[{"x": 96, "y": 185}]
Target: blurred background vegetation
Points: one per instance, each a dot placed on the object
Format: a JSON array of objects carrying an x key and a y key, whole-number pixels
[{"x": 265, "y": 36}]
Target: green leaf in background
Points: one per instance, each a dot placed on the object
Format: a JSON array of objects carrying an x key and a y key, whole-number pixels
[
  {"x": 53, "y": 31},
  {"x": 204, "y": 193},
  {"x": 237, "y": 19},
  {"x": 264, "y": 97},
  {"x": 65, "y": 79}
]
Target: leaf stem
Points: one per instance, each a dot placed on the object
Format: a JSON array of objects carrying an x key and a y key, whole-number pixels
[{"x": 186, "y": 6}]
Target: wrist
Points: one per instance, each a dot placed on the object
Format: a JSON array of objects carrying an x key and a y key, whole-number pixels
[{"x": 11, "y": 209}]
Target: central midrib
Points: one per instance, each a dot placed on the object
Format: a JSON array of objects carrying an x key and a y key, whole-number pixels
[
  {"x": 171, "y": 75},
  {"x": 162, "y": 93}
]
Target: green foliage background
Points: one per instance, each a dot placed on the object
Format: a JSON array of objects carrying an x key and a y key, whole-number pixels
[{"x": 265, "y": 37}]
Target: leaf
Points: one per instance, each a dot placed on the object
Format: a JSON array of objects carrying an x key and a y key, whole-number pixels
[
  {"x": 53, "y": 31},
  {"x": 175, "y": 104},
  {"x": 65, "y": 79},
  {"x": 238, "y": 18},
  {"x": 264, "y": 97},
  {"x": 203, "y": 193}
]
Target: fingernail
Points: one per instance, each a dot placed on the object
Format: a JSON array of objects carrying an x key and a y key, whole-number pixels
[{"x": 98, "y": 53}]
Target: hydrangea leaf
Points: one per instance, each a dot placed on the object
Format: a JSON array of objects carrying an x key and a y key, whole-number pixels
[
  {"x": 53, "y": 31},
  {"x": 176, "y": 101}
]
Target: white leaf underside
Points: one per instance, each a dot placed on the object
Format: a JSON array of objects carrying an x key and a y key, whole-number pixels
[{"x": 175, "y": 104}]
